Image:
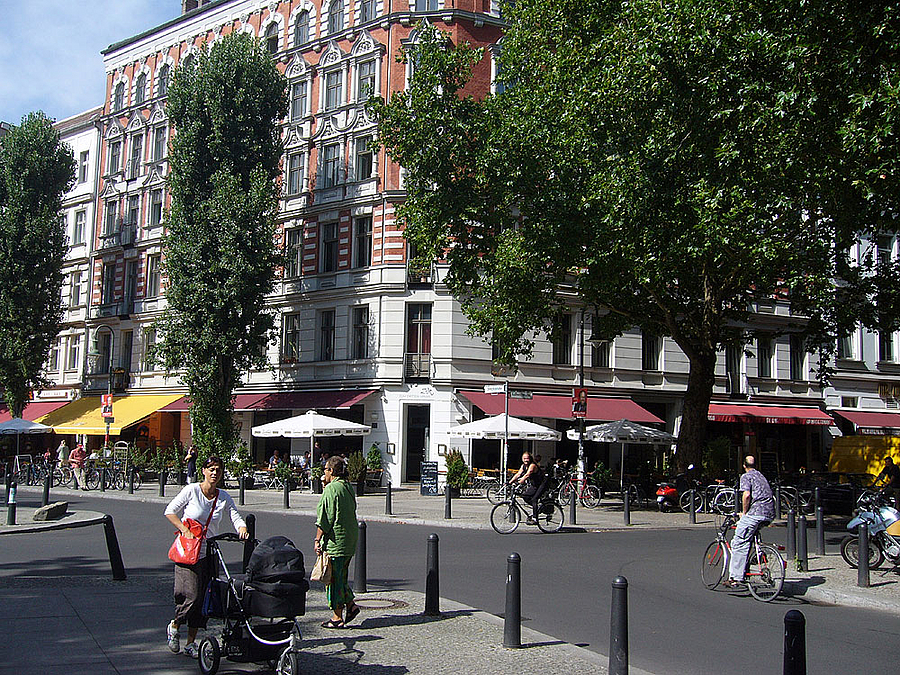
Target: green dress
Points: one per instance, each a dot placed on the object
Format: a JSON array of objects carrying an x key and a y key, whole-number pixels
[{"x": 336, "y": 517}]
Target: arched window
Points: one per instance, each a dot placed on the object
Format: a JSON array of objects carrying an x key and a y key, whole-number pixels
[
  {"x": 140, "y": 89},
  {"x": 272, "y": 38},
  {"x": 162, "y": 84},
  {"x": 301, "y": 29},
  {"x": 119, "y": 96},
  {"x": 188, "y": 61},
  {"x": 336, "y": 17}
]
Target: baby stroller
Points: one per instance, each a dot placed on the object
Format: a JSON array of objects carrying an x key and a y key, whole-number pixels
[{"x": 272, "y": 589}]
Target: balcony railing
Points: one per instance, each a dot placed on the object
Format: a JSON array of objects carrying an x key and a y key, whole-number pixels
[
  {"x": 417, "y": 367},
  {"x": 418, "y": 273}
]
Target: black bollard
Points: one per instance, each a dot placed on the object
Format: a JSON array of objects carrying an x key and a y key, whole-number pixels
[
  {"x": 791, "y": 543},
  {"x": 818, "y": 498},
  {"x": 45, "y": 495},
  {"x": 862, "y": 552},
  {"x": 287, "y": 493},
  {"x": 242, "y": 484},
  {"x": 162, "y": 483},
  {"x": 794, "y": 643},
  {"x": 250, "y": 541},
  {"x": 359, "y": 572},
  {"x": 131, "y": 481},
  {"x": 112, "y": 547},
  {"x": 11, "y": 504},
  {"x": 103, "y": 479},
  {"x": 512, "y": 617},
  {"x": 820, "y": 531},
  {"x": 618, "y": 628},
  {"x": 692, "y": 512},
  {"x": 777, "y": 502},
  {"x": 573, "y": 518},
  {"x": 802, "y": 556},
  {"x": 388, "y": 508},
  {"x": 7, "y": 478},
  {"x": 626, "y": 507},
  {"x": 448, "y": 511},
  {"x": 432, "y": 581}
]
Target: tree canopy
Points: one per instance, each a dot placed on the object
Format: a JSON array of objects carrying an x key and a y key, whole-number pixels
[
  {"x": 36, "y": 170},
  {"x": 667, "y": 164},
  {"x": 220, "y": 255}
]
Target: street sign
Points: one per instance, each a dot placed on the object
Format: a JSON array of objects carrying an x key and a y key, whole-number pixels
[
  {"x": 109, "y": 420},
  {"x": 520, "y": 393},
  {"x": 494, "y": 388},
  {"x": 106, "y": 401}
]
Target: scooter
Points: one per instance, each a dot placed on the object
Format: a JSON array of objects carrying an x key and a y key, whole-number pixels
[
  {"x": 878, "y": 516},
  {"x": 667, "y": 497}
]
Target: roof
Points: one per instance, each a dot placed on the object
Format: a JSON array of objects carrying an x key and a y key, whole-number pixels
[{"x": 168, "y": 24}]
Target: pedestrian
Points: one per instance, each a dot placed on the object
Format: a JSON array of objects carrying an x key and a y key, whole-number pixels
[
  {"x": 76, "y": 461},
  {"x": 336, "y": 533},
  {"x": 62, "y": 452},
  {"x": 891, "y": 477},
  {"x": 757, "y": 511},
  {"x": 196, "y": 501},
  {"x": 191, "y": 461}
]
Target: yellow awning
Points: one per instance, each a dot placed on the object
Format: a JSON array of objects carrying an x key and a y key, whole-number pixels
[{"x": 83, "y": 416}]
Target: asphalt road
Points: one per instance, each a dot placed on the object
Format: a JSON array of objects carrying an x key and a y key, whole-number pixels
[{"x": 675, "y": 625}]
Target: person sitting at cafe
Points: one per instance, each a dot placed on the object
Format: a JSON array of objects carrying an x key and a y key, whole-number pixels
[{"x": 274, "y": 460}]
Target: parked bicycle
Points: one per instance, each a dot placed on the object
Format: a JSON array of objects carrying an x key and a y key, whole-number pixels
[
  {"x": 573, "y": 486},
  {"x": 765, "y": 566},
  {"x": 506, "y": 516}
]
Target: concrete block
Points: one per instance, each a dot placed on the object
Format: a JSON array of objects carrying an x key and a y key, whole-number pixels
[{"x": 53, "y": 511}]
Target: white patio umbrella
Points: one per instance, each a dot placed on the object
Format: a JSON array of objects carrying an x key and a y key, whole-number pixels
[
  {"x": 19, "y": 426},
  {"x": 310, "y": 425},
  {"x": 496, "y": 427}
]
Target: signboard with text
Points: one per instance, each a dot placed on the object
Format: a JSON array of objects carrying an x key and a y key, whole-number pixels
[{"x": 106, "y": 401}]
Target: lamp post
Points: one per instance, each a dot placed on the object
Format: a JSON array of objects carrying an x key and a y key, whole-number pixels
[{"x": 109, "y": 373}]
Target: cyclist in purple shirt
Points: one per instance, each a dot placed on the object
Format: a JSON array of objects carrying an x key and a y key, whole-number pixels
[{"x": 757, "y": 511}]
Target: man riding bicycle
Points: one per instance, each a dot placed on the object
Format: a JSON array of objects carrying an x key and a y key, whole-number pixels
[
  {"x": 535, "y": 483},
  {"x": 757, "y": 511}
]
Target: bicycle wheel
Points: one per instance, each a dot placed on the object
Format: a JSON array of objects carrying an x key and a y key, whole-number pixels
[
  {"x": 684, "y": 501},
  {"x": 138, "y": 481},
  {"x": 765, "y": 572},
  {"x": 850, "y": 552},
  {"x": 92, "y": 478},
  {"x": 714, "y": 565},
  {"x": 505, "y": 517},
  {"x": 119, "y": 480},
  {"x": 550, "y": 517},
  {"x": 565, "y": 493},
  {"x": 636, "y": 496},
  {"x": 496, "y": 494},
  {"x": 590, "y": 498},
  {"x": 724, "y": 502}
]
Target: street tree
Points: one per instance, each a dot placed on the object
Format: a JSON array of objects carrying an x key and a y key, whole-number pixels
[
  {"x": 655, "y": 163},
  {"x": 36, "y": 170},
  {"x": 220, "y": 255}
]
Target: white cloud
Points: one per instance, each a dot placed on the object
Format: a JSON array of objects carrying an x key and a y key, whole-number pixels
[{"x": 50, "y": 50}]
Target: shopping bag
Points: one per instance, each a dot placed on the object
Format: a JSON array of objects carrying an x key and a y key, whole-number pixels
[{"x": 321, "y": 571}]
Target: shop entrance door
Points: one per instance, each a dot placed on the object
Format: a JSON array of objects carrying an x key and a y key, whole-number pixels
[{"x": 418, "y": 432}]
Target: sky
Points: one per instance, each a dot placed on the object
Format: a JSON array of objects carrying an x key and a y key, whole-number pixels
[{"x": 50, "y": 50}]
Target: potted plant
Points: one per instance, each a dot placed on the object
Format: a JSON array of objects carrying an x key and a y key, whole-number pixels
[
  {"x": 457, "y": 472},
  {"x": 374, "y": 465},
  {"x": 240, "y": 464},
  {"x": 284, "y": 472},
  {"x": 356, "y": 472},
  {"x": 315, "y": 476}
]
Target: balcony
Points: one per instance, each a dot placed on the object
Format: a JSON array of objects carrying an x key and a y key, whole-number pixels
[
  {"x": 122, "y": 235},
  {"x": 417, "y": 367},
  {"x": 418, "y": 274},
  {"x": 106, "y": 309}
]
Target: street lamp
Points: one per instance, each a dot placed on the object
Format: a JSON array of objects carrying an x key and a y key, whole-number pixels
[{"x": 95, "y": 351}]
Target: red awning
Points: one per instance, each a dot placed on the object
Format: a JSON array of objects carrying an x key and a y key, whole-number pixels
[
  {"x": 560, "y": 407},
  {"x": 32, "y": 411},
  {"x": 313, "y": 400},
  {"x": 766, "y": 414},
  {"x": 872, "y": 422},
  {"x": 241, "y": 402}
]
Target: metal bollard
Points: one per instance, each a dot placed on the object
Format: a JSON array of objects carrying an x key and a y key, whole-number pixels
[
  {"x": 692, "y": 512},
  {"x": 862, "y": 552},
  {"x": 618, "y": 628},
  {"x": 7, "y": 478},
  {"x": 162, "y": 483},
  {"x": 388, "y": 508},
  {"x": 131, "y": 481},
  {"x": 103, "y": 479},
  {"x": 287, "y": 493},
  {"x": 512, "y": 617},
  {"x": 448, "y": 511},
  {"x": 802, "y": 543},
  {"x": 11, "y": 503},
  {"x": 818, "y": 498},
  {"x": 573, "y": 518},
  {"x": 794, "y": 643},
  {"x": 45, "y": 495},
  {"x": 359, "y": 572},
  {"x": 777, "y": 502},
  {"x": 432, "y": 581},
  {"x": 626, "y": 507},
  {"x": 112, "y": 547},
  {"x": 242, "y": 483},
  {"x": 791, "y": 543},
  {"x": 249, "y": 543},
  {"x": 820, "y": 531}
]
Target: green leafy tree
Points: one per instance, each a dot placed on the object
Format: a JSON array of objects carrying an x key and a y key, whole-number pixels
[
  {"x": 220, "y": 253},
  {"x": 36, "y": 170},
  {"x": 663, "y": 164}
]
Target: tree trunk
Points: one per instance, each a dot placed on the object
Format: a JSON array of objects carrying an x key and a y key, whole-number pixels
[{"x": 692, "y": 435}]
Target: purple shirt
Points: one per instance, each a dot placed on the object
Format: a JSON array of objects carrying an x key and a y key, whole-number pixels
[{"x": 762, "y": 503}]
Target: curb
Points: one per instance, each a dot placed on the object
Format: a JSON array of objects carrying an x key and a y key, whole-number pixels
[{"x": 827, "y": 596}]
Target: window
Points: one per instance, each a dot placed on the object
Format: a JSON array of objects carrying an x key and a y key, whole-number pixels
[
  {"x": 764, "y": 356},
  {"x": 845, "y": 347},
  {"x": 149, "y": 357},
  {"x": 797, "y": 354},
  {"x": 53, "y": 357},
  {"x": 110, "y": 226},
  {"x": 74, "y": 352},
  {"x": 298, "y": 100},
  {"x": 329, "y": 247},
  {"x": 156, "y": 207},
  {"x": 885, "y": 346},
  {"x": 326, "y": 335},
  {"x": 363, "y": 158},
  {"x": 134, "y": 210},
  {"x": 290, "y": 338},
  {"x": 363, "y": 242},
  {"x": 418, "y": 340},
  {"x": 336, "y": 16},
  {"x": 272, "y": 38},
  {"x": 131, "y": 269},
  {"x": 75, "y": 289},
  {"x": 295, "y": 173},
  {"x": 600, "y": 354},
  {"x": 83, "y": 159},
  {"x": 119, "y": 97},
  {"x": 162, "y": 81},
  {"x": 365, "y": 80},
  {"x": 360, "y": 346},
  {"x": 140, "y": 89},
  {"x": 333, "y": 89},
  {"x": 115, "y": 156},
  {"x": 63, "y": 222},
  {"x": 650, "y": 347},
  {"x": 366, "y": 11},
  {"x": 137, "y": 154},
  {"x": 293, "y": 252},
  {"x": 78, "y": 230},
  {"x": 159, "y": 143},
  {"x": 562, "y": 340},
  {"x": 733, "y": 368},
  {"x": 152, "y": 290},
  {"x": 108, "y": 283},
  {"x": 301, "y": 29},
  {"x": 331, "y": 165},
  {"x": 127, "y": 340},
  {"x": 885, "y": 249},
  {"x": 426, "y": 5},
  {"x": 104, "y": 347}
]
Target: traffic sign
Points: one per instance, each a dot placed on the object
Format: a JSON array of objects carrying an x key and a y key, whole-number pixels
[
  {"x": 494, "y": 388},
  {"x": 520, "y": 393}
]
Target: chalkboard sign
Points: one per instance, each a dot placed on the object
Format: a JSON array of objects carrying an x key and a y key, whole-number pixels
[{"x": 429, "y": 485}]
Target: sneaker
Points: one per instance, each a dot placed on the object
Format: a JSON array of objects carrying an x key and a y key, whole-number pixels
[
  {"x": 173, "y": 639},
  {"x": 191, "y": 649},
  {"x": 530, "y": 520}
]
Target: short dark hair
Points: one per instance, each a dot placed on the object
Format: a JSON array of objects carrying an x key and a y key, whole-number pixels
[
  {"x": 337, "y": 466},
  {"x": 213, "y": 459}
]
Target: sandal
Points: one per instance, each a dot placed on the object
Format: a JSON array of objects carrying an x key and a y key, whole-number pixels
[
  {"x": 331, "y": 623},
  {"x": 352, "y": 614}
]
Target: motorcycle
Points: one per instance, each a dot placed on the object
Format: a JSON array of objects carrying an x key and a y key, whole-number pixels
[
  {"x": 667, "y": 494},
  {"x": 875, "y": 511}
]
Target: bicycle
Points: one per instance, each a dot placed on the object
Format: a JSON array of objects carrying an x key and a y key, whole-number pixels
[
  {"x": 587, "y": 493},
  {"x": 637, "y": 498},
  {"x": 499, "y": 493},
  {"x": 765, "y": 567},
  {"x": 506, "y": 516}
]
